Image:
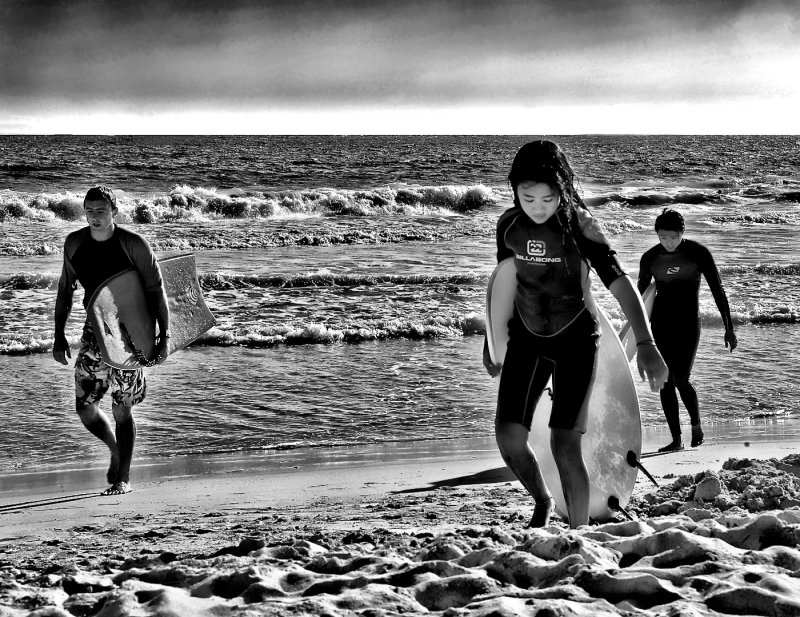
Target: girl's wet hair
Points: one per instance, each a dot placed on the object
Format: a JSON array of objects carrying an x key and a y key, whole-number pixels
[
  {"x": 544, "y": 161},
  {"x": 101, "y": 193},
  {"x": 670, "y": 220}
]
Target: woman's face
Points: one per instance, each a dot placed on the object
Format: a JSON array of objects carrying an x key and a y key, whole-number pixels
[
  {"x": 669, "y": 239},
  {"x": 538, "y": 200}
]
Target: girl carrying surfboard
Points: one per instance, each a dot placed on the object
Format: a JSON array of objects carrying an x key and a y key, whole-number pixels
[{"x": 553, "y": 332}]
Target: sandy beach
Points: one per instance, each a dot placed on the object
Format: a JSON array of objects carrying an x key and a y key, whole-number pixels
[{"x": 416, "y": 528}]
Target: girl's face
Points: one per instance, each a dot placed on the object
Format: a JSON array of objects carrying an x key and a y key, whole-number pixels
[
  {"x": 669, "y": 239},
  {"x": 538, "y": 200}
]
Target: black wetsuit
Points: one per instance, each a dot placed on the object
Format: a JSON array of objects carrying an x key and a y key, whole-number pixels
[
  {"x": 675, "y": 318},
  {"x": 552, "y": 332}
]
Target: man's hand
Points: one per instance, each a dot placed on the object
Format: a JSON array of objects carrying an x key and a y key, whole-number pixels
[
  {"x": 162, "y": 349},
  {"x": 731, "y": 340},
  {"x": 61, "y": 349}
]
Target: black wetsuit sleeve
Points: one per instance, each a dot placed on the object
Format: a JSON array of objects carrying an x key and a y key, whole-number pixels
[
  {"x": 67, "y": 284},
  {"x": 709, "y": 269},
  {"x": 645, "y": 271},
  {"x": 593, "y": 246},
  {"x": 144, "y": 260},
  {"x": 603, "y": 259},
  {"x": 503, "y": 223},
  {"x": 141, "y": 255}
]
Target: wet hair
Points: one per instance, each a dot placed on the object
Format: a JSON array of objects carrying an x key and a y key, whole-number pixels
[
  {"x": 101, "y": 193},
  {"x": 670, "y": 220},
  {"x": 544, "y": 161}
]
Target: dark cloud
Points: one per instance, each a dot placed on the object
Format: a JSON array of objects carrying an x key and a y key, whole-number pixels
[{"x": 248, "y": 53}]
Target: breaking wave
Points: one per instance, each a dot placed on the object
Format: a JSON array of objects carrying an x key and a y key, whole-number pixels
[
  {"x": 651, "y": 199},
  {"x": 762, "y": 218},
  {"x": 468, "y": 324},
  {"x": 194, "y": 203},
  {"x": 294, "y": 334}
]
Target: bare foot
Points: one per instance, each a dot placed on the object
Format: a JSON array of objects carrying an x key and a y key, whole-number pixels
[
  {"x": 118, "y": 488},
  {"x": 542, "y": 513},
  {"x": 113, "y": 469}
]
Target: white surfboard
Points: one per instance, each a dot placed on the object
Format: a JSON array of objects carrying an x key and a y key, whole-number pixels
[
  {"x": 614, "y": 429},
  {"x": 626, "y": 333}
]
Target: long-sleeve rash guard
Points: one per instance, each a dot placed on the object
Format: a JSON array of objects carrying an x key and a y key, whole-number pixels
[{"x": 92, "y": 262}]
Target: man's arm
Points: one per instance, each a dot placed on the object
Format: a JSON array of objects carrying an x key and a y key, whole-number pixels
[
  {"x": 66, "y": 292},
  {"x": 158, "y": 305},
  {"x": 144, "y": 260},
  {"x": 709, "y": 269}
]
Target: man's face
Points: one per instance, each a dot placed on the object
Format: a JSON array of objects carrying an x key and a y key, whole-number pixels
[
  {"x": 99, "y": 214},
  {"x": 669, "y": 239}
]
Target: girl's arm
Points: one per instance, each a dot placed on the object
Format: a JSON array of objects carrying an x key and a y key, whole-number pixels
[
  {"x": 592, "y": 243},
  {"x": 504, "y": 222},
  {"x": 648, "y": 359}
]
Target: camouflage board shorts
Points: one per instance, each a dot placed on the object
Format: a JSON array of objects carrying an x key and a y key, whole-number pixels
[{"x": 93, "y": 377}]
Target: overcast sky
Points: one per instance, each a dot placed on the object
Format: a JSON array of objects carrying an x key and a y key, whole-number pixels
[{"x": 388, "y": 66}]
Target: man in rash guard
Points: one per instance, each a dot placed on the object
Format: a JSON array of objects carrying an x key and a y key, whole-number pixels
[
  {"x": 676, "y": 265},
  {"x": 92, "y": 255}
]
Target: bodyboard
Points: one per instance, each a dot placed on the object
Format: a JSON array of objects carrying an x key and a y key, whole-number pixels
[
  {"x": 614, "y": 425},
  {"x": 122, "y": 324},
  {"x": 626, "y": 332}
]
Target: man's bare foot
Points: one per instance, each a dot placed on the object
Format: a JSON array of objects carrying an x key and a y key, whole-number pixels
[
  {"x": 118, "y": 488},
  {"x": 113, "y": 470}
]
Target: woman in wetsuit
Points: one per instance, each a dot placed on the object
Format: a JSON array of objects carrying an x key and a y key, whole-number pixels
[
  {"x": 554, "y": 239},
  {"x": 676, "y": 265}
]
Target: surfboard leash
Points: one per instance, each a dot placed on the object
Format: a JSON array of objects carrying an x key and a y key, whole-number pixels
[
  {"x": 613, "y": 504},
  {"x": 137, "y": 353},
  {"x": 633, "y": 461}
]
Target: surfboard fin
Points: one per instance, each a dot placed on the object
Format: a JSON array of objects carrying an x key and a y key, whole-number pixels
[
  {"x": 635, "y": 462},
  {"x": 613, "y": 504}
]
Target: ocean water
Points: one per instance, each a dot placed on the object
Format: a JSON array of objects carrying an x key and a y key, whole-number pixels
[{"x": 348, "y": 278}]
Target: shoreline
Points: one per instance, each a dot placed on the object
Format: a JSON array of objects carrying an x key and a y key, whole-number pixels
[
  {"x": 749, "y": 431},
  {"x": 31, "y": 502}
]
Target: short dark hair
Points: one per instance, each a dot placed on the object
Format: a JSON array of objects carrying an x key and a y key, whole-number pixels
[
  {"x": 670, "y": 220},
  {"x": 101, "y": 193}
]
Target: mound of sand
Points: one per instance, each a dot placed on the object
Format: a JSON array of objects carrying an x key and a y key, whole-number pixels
[{"x": 718, "y": 542}]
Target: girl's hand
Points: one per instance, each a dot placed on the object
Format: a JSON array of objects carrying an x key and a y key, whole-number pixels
[
  {"x": 651, "y": 366},
  {"x": 491, "y": 368}
]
